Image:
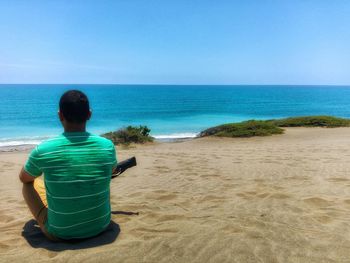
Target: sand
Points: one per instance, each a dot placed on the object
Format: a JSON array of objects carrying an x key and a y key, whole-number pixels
[{"x": 284, "y": 198}]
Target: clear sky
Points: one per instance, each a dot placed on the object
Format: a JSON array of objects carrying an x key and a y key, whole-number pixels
[{"x": 175, "y": 42}]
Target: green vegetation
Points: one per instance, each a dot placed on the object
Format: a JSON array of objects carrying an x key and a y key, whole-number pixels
[
  {"x": 312, "y": 121},
  {"x": 140, "y": 134},
  {"x": 269, "y": 127},
  {"x": 130, "y": 134},
  {"x": 243, "y": 129}
]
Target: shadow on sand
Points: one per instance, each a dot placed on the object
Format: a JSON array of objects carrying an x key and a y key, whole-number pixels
[{"x": 32, "y": 233}]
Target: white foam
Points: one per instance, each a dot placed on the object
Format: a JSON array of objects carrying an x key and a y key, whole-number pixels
[
  {"x": 18, "y": 143},
  {"x": 35, "y": 140},
  {"x": 185, "y": 135}
]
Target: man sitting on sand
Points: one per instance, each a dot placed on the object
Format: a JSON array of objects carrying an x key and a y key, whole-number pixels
[{"x": 73, "y": 199}]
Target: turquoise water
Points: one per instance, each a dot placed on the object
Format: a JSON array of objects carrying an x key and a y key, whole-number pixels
[{"x": 28, "y": 113}]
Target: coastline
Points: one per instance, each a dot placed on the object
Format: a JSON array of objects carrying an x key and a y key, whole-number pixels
[
  {"x": 281, "y": 198},
  {"x": 160, "y": 139},
  {"x": 18, "y": 145}
]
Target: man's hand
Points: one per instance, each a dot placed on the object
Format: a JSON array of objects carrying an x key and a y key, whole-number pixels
[
  {"x": 25, "y": 177},
  {"x": 123, "y": 166}
]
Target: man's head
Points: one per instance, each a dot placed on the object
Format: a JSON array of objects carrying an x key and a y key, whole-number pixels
[{"x": 74, "y": 109}]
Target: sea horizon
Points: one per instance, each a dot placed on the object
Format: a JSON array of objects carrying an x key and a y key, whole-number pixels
[
  {"x": 170, "y": 85},
  {"x": 170, "y": 111}
]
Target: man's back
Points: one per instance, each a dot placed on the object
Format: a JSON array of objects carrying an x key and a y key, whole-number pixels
[{"x": 77, "y": 169}]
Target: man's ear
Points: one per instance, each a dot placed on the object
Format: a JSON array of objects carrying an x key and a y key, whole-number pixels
[
  {"x": 89, "y": 115},
  {"x": 60, "y": 116}
]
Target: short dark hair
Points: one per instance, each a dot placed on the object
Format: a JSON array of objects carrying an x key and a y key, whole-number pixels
[{"x": 74, "y": 105}]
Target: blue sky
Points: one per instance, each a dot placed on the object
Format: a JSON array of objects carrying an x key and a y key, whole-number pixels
[{"x": 175, "y": 42}]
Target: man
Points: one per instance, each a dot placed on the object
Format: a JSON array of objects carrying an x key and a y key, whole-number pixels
[{"x": 73, "y": 201}]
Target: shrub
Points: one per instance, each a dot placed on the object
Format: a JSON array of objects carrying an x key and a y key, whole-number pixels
[{"x": 130, "y": 134}]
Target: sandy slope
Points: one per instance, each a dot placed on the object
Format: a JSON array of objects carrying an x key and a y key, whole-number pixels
[{"x": 284, "y": 198}]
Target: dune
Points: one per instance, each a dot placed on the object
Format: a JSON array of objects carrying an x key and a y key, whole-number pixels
[{"x": 282, "y": 198}]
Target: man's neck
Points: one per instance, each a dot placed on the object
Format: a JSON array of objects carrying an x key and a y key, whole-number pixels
[{"x": 75, "y": 128}]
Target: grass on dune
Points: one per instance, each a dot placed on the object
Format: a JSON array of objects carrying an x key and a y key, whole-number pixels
[
  {"x": 269, "y": 127},
  {"x": 243, "y": 129},
  {"x": 312, "y": 121}
]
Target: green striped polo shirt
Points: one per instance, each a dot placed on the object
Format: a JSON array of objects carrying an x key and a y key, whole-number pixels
[{"x": 77, "y": 169}]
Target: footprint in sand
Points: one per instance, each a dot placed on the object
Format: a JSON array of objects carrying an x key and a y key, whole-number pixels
[
  {"x": 153, "y": 230},
  {"x": 160, "y": 191},
  {"x": 317, "y": 201},
  {"x": 338, "y": 179},
  {"x": 6, "y": 218},
  {"x": 6, "y": 166},
  {"x": 251, "y": 195},
  {"x": 209, "y": 175},
  {"x": 324, "y": 219},
  {"x": 162, "y": 197},
  {"x": 171, "y": 217},
  {"x": 168, "y": 197},
  {"x": 247, "y": 195},
  {"x": 212, "y": 198},
  {"x": 279, "y": 196},
  {"x": 232, "y": 229}
]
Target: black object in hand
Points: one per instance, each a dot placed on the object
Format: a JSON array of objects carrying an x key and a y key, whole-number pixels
[{"x": 124, "y": 165}]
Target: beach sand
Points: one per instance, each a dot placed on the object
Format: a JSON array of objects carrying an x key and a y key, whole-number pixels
[{"x": 284, "y": 198}]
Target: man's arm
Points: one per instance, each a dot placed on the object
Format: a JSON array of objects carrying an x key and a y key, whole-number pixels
[
  {"x": 31, "y": 169},
  {"x": 25, "y": 177}
]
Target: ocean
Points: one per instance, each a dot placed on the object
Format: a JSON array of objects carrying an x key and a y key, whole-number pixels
[{"x": 28, "y": 113}]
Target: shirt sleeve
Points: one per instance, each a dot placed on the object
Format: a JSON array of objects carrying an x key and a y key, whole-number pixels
[
  {"x": 114, "y": 157},
  {"x": 32, "y": 166}
]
